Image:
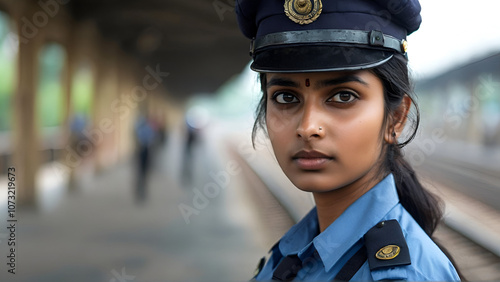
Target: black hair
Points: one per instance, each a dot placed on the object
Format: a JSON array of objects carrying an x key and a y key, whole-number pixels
[{"x": 425, "y": 207}]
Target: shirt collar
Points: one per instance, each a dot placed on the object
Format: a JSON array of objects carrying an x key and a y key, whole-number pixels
[
  {"x": 340, "y": 236},
  {"x": 300, "y": 235}
]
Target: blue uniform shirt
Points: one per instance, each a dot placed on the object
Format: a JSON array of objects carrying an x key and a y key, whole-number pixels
[{"x": 324, "y": 254}]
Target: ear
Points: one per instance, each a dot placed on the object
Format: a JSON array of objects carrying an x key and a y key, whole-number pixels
[{"x": 398, "y": 120}]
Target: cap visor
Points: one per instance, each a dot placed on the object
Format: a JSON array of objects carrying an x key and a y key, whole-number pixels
[{"x": 307, "y": 58}]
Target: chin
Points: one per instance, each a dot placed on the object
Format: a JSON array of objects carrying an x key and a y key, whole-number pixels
[{"x": 315, "y": 183}]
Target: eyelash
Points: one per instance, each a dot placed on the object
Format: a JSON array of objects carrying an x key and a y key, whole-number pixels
[
  {"x": 278, "y": 94},
  {"x": 352, "y": 97}
]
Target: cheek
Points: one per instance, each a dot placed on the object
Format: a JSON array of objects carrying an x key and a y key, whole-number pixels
[
  {"x": 363, "y": 143},
  {"x": 280, "y": 131},
  {"x": 278, "y": 122},
  {"x": 275, "y": 122}
]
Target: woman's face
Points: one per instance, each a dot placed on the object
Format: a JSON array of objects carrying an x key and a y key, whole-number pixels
[{"x": 325, "y": 127}]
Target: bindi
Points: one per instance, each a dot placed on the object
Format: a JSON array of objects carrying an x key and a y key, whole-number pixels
[{"x": 307, "y": 82}]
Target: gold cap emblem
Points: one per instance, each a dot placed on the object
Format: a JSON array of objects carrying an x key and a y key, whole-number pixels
[
  {"x": 303, "y": 11},
  {"x": 388, "y": 252}
]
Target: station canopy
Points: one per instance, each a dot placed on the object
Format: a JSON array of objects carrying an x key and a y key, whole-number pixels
[{"x": 197, "y": 41}]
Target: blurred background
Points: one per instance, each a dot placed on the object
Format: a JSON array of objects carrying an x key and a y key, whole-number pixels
[{"x": 129, "y": 126}]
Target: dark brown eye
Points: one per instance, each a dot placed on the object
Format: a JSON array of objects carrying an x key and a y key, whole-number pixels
[
  {"x": 285, "y": 98},
  {"x": 343, "y": 97}
]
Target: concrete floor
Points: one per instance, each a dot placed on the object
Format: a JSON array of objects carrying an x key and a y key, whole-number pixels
[{"x": 100, "y": 233}]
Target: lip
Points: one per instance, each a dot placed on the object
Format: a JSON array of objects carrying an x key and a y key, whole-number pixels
[{"x": 311, "y": 160}]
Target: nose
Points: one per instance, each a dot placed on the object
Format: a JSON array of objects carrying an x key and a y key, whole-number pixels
[{"x": 310, "y": 125}]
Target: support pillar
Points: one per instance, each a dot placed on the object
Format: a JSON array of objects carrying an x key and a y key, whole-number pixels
[{"x": 26, "y": 153}]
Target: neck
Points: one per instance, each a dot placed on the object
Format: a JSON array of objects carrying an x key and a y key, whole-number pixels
[{"x": 330, "y": 205}]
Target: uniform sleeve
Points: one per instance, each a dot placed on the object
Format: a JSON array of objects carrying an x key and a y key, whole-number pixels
[{"x": 429, "y": 263}]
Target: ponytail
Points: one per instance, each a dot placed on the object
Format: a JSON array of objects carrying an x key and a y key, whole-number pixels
[{"x": 425, "y": 207}]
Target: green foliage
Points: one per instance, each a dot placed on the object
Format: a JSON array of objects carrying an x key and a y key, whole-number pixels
[
  {"x": 7, "y": 72},
  {"x": 50, "y": 100},
  {"x": 82, "y": 89}
]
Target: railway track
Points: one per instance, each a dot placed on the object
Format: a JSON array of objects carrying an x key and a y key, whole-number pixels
[
  {"x": 478, "y": 183},
  {"x": 475, "y": 262},
  {"x": 472, "y": 232}
]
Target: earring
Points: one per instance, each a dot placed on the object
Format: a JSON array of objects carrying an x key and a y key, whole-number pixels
[{"x": 393, "y": 134}]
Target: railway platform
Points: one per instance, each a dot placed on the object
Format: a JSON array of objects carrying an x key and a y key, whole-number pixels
[{"x": 99, "y": 232}]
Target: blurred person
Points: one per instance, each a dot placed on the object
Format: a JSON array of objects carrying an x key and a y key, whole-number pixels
[
  {"x": 335, "y": 101},
  {"x": 77, "y": 125},
  {"x": 161, "y": 129},
  {"x": 145, "y": 137},
  {"x": 197, "y": 119},
  {"x": 192, "y": 136}
]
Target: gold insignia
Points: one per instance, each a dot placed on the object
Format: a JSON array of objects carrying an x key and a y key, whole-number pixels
[
  {"x": 388, "y": 252},
  {"x": 404, "y": 44},
  {"x": 303, "y": 11}
]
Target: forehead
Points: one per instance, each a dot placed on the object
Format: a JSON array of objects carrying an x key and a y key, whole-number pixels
[{"x": 365, "y": 75}]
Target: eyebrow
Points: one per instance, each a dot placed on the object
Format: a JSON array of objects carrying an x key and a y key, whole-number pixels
[
  {"x": 340, "y": 80},
  {"x": 278, "y": 81}
]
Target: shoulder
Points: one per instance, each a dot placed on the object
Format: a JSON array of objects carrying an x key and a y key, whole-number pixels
[{"x": 428, "y": 262}]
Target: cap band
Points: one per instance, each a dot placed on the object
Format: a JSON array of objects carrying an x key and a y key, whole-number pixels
[{"x": 369, "y": 38}]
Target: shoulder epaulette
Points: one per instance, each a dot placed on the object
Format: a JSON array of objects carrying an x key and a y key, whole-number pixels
[{"x": 386, "y": 245}]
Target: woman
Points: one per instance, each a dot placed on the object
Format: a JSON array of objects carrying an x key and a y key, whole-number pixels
[{"x": 336, "y": 98}]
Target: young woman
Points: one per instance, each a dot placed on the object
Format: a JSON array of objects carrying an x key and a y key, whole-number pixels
[{"x": 336, "y": 99}]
